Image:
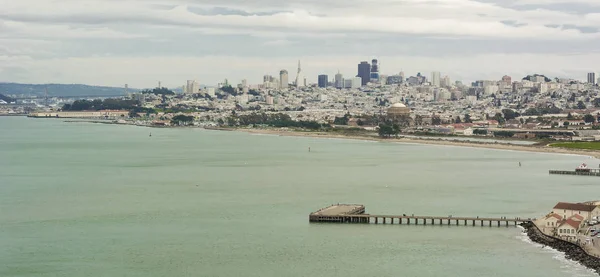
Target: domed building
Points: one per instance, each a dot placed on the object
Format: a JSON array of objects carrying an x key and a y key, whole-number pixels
[
  {"x": 398, "y": 109},
  {"x": 400, "y": 114}
]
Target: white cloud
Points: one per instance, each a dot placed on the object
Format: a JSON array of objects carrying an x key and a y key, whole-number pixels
[{"x": 142, "y": 41}]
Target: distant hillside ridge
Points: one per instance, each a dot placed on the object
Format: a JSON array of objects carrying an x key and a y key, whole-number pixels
[
  {"x": 62, "y": 90},
  {"x": 6, "y": 98}
]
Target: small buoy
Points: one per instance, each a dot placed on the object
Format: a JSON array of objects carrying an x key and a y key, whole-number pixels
[{"x": 309, "y": 149}]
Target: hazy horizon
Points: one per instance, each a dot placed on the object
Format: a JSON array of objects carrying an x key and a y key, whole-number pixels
[{"x": 112, "y": 43}]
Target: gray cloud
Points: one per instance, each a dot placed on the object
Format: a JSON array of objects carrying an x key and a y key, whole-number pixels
[{"x": 39, "y": 36}]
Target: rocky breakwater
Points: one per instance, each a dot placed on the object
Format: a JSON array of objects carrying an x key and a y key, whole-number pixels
[{"x": 572, "y": 251}]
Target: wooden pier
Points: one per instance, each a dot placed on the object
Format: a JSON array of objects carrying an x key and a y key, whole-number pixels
[
  {"x": 589, "y": 172},
  {"x": 348, "y": 213}
]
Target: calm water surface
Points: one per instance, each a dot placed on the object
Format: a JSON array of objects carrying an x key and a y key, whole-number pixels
[{"x": 81, "y": 199}]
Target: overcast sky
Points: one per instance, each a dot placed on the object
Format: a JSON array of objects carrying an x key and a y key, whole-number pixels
[{"x": 141, "y": 42}]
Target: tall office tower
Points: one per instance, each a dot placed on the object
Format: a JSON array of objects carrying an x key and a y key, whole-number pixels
[
  {"x": 299, "y": 79},
  {"x": 507, "y": 80},
  {"x": 374, "y": 71},
  {"x": 339, "y": 80},
  {"x": 402, "y": 76},
  {"x": 435, "y": 79},
  {"x": 283, "y": 79},
  {"x": 591, "y": 78},
  {"x": 244, "y": 83},
  {"x": 364, "y": 72},
  {"x": 323, "y": 80}
]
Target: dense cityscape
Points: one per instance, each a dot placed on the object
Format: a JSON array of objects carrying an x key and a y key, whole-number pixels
[{"x": 434, "y": 104}]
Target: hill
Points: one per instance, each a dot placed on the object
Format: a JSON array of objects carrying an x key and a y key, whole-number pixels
[
  {"x": 61, "y": 90},
  {"x": 6, "y": 98}
]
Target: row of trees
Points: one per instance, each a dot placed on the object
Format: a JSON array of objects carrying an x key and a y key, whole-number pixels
[
  {"x": 97, "y": 105},
  {"x": 388, "y": 130},
  {"x": 158, "y": 91},
  {"x": 182, "y": 120},
  {"x": 278, "y": 120}
]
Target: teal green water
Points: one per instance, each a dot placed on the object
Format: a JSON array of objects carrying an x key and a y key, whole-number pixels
[{"x": 82, "y": 199}]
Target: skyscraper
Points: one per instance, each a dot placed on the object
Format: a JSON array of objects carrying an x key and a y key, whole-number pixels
[
  {"x": 364, "y": 72},
  {"x": 283, "y": 79},
  {"x": 299, "y": 79},
  {"x": 374, "y": 71},
  {"x": 591, "y": 78},
  {"x": 339, "y": 80},
  {"x": 435, "y": 79},
  {"x": 323, "y": 80}
]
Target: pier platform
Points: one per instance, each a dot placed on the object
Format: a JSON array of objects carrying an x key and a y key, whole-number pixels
[
  {"x": 593, "y": 172},
  {"x": 352, "y": 213}
]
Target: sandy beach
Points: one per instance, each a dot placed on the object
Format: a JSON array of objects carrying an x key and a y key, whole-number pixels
[{"x": 498, "y": 146}]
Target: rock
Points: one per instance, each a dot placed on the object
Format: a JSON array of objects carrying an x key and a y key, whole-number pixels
[{"x": 572, "y": 251}]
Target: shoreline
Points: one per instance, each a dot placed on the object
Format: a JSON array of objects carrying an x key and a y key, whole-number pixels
[
  {"x": 572, "y": 252},
  {"x": 440, "y": 142}
]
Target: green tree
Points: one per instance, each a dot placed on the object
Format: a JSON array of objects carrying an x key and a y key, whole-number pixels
[
  {"x": 396, "y": 130},
  {"x": 182, "y": 120},
  {"x": 436, "y": 120},
  {"x": 570, "y": 116},
  {"x": 509, "y": 114},
  {"x": 498, "y": 117},
  {"x": 457, "y": 120},
  {"x": 581, "y": 105},
  {"x": 468, "y": 118},
  {"x": 588, "y": 118}
]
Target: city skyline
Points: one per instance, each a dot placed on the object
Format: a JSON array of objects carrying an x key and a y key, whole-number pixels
[{"x": 139, "y": 43}]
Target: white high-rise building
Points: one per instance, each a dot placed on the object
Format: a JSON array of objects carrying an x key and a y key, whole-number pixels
[
  {"x": 435, "y": 79},
  {"x": 356, "y": 82},
  {"x": 192, "y": 87},
  {"x": 591, "y": 78},
  {"x": 283, "y": 79},
  {"x": 339, "y": 80}
]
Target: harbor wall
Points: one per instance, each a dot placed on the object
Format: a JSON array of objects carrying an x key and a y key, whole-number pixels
[{"x": 572, "y": 251}]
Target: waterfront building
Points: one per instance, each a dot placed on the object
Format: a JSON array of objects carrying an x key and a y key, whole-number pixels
[
  {"x": 567, "y": 210},
  {"x": 283, "y": 79},
  {"x": 364, "y": 72}
]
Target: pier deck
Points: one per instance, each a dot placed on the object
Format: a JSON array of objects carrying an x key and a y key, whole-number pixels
[
  {"x": 593, "y": 172},
  {"x": 343, "y": 213}
]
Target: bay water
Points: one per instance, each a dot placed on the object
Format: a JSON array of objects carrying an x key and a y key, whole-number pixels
[{"x": 83, "y": 199}]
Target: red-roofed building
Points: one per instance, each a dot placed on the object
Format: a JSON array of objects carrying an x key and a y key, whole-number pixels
[
  {"x": 567, "y": 210},
  {"x": 568, "y": 229},
  {"x": 549, "y": 223}
]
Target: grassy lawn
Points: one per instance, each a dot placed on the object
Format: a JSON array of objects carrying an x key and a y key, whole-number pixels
[{"x": 578, "y": 145}]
